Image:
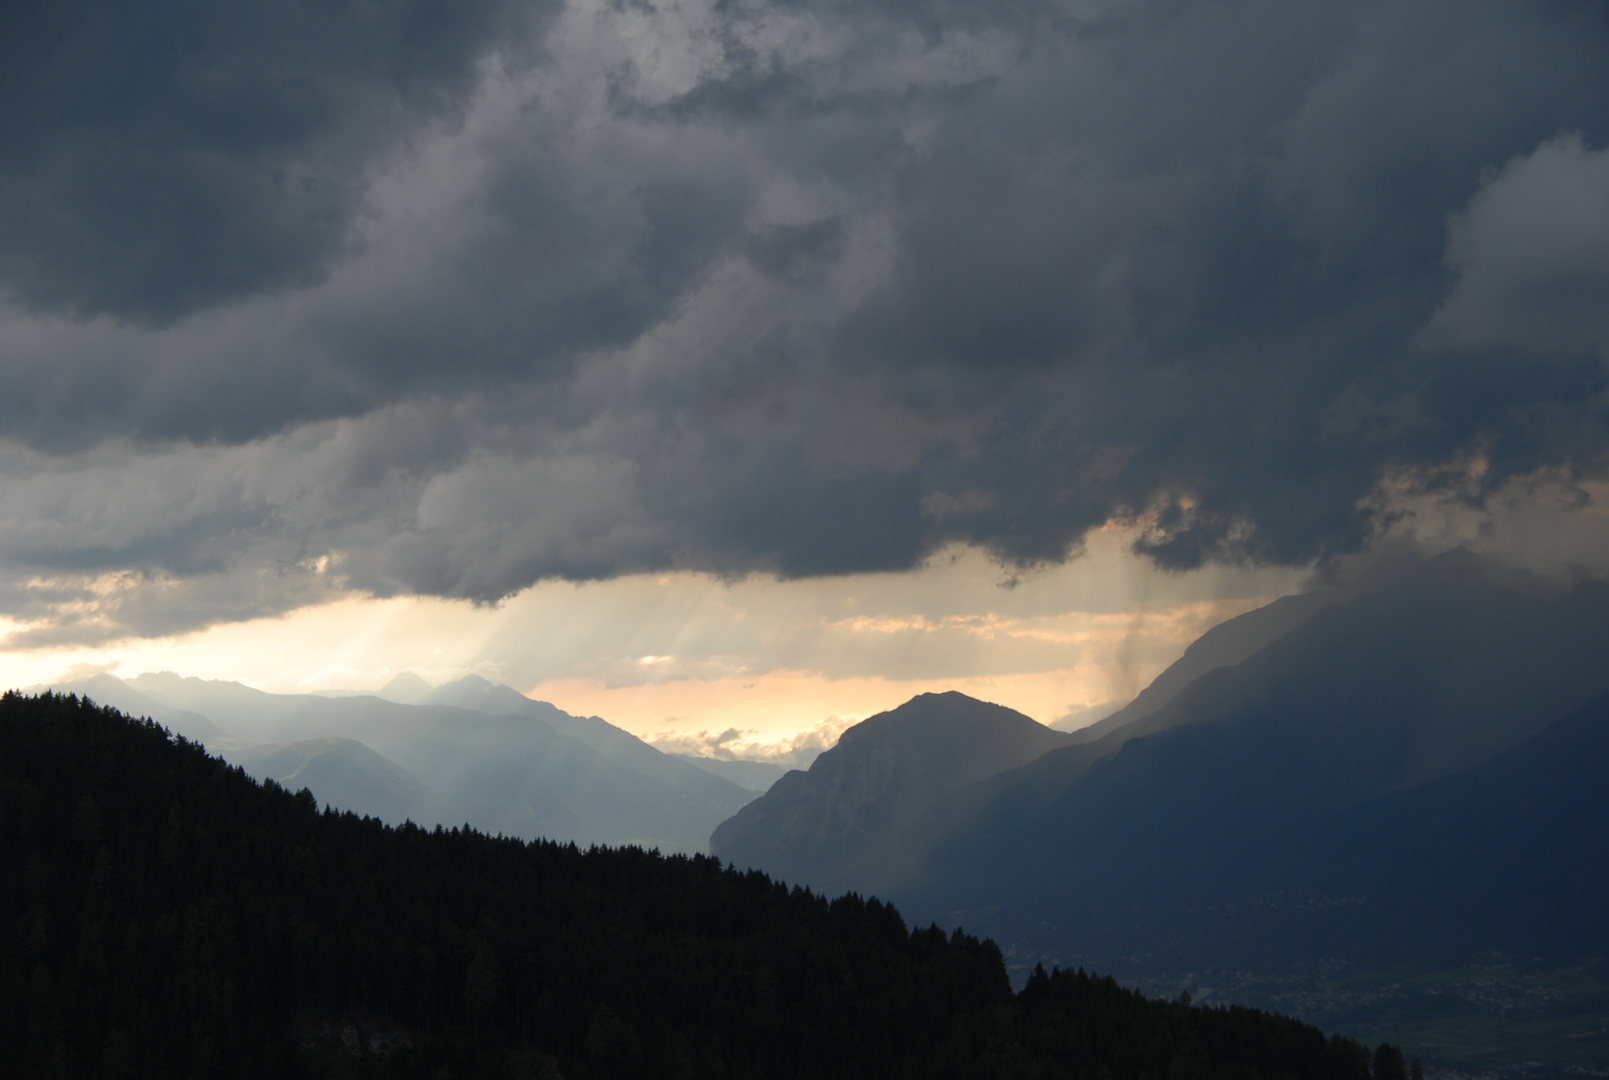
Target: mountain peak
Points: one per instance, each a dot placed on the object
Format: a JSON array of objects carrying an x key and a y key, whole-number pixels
[
  {"x": 158, "y": 681},
  {"x": 406, "y": 688},
  {"x": 884, "y": 773},
  {"x": 955, "y": 735},
  {"x": 480, "y": 695}
]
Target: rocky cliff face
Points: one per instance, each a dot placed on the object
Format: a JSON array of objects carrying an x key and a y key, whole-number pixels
[{"x": 819, "y": 827}]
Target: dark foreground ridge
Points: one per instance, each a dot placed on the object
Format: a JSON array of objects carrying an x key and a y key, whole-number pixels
[{"x": 171, "y": 918}]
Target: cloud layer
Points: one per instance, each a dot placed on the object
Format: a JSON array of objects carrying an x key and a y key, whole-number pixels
[
  {"x": 796, "y": 752},
  {"x": 451, "y": 298}
]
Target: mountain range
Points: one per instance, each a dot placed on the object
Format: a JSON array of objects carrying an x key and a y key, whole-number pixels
[
  {"x": 1367, "y": 805},
  {"x": 470, "y": 751},
  {"x": 1414, "y": 773}
]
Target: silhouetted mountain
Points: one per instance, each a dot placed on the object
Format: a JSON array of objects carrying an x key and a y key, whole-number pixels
[
  {"x": 348, "y": 775},
  {"x": 1316, "y": 801},
  {"x": 757, "y": 776},
  {"x": 1097, "y": 850},
  {"x": 173, "y": 918},
  {"x": 511, "y": 772},
  {"x": 821, "y": 826}
]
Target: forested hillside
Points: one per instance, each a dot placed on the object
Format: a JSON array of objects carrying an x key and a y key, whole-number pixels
[{"x": 171, "y": 918}]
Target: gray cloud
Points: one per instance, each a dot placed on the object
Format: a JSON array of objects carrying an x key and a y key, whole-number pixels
[
  {"x": 161, "y": 159},
  {"x": 457, "y": 300},
  {"x": 796, "y": 752},
  {"x": 1531, "y": 256}
]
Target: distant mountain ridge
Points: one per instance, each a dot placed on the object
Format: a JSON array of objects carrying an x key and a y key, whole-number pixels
[
  {"x": 615, "y": 744},
  {"x": 472, "y": 749},
  {"x": 350, "y": 776}
]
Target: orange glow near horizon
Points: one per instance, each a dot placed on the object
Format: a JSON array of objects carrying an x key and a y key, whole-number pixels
[
  {"x": 684, "y": 653},
  {"x": 779, "y": 704}
]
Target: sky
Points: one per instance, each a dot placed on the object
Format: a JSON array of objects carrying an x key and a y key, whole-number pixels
[{"x": 746, "y": 367}]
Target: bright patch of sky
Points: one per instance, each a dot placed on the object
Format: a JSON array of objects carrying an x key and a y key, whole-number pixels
[{"x": 686, "y": 658}]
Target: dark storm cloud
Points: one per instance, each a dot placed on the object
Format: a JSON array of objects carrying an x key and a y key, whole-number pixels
[
  {"x": 465, "y": 297},
  {"x": 161, "y": 157},
  {"x": 796, "y": 253}
]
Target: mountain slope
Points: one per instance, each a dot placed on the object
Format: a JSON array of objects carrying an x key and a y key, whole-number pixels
[
  {"x": 819, "y": 826},
  {"x": 1231, "y": 642},
  {"x": 1236, "y": 640},
  {"x": 1510, "y": 856},
  {"x": 1512, "y": 853}
]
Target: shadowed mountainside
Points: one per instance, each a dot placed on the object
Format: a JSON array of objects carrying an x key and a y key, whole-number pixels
[
  {"x": 1229, "y": 643},
  {"x": 1415, "y": 776},
  {"x": 1215, "y": 796},
  {"x": 1513, "y": 852},
  {"x": 1364, "y": 697},
  {"x": 818, "y": 826},
  {"x": 887, "y": 846},
  {"x": 1372, "y": 696}
]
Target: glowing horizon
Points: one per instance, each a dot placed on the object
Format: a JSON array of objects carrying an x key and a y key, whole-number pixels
[{"x": 667, "y": 656}]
